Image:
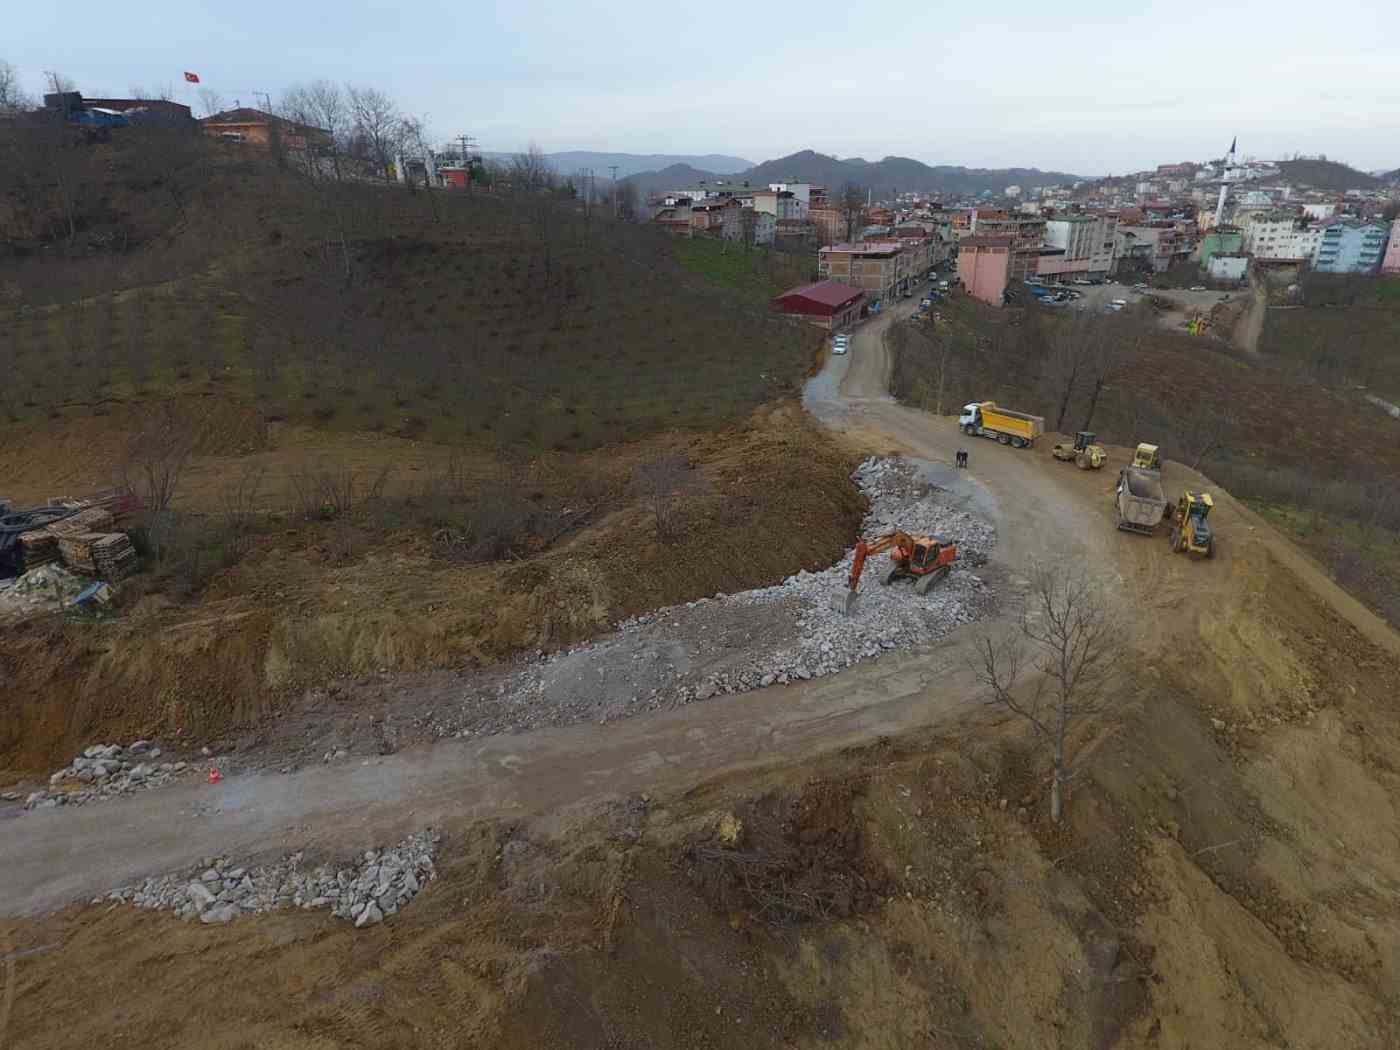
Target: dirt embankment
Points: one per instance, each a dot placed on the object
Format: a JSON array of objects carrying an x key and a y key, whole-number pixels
[
  {"x": 386, "y": 591},
  {"x": 1226, "y": 876}
]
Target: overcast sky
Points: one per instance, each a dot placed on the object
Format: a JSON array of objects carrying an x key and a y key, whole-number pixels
[{"x": 1099, "y": 87}]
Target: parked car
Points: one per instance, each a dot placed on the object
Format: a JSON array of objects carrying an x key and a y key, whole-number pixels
[
  {"x": 1120, "y": 303},
  {"x": 1198, "y": 288}
]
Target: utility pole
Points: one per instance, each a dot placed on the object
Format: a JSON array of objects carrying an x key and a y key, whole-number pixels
[
  {"x": 467, "y": 143},
  {"x": 613, "y": 168}
]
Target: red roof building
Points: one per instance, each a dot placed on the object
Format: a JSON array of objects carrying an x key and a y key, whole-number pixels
[{"x": 829, "y": 304}]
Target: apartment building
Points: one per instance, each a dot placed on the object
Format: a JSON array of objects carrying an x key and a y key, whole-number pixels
[
  {"x": 1351, "y": 246},
  {"x": 1087, "y": 242},
  {"x": 879, "y": 268},
  {"x": 1271, "y": 236},
  {"x": 984, "y": 267},
  {"x": 1390, "y": 263}
]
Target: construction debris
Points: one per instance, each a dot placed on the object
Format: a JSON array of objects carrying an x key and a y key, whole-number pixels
[
  {"x": 365, "y": 892},
  {"x": 104, "y": 771},
  {"x": 49, "y": 588}
]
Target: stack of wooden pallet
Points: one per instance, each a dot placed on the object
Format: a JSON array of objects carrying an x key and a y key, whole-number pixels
[
  {"x": 113, "y": 555},
  {"x": 40, "y": 548},
  {"x": 77, "y": 551},
  {"x": 93, "y": 519}
]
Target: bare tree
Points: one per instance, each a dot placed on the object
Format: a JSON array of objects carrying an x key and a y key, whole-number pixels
[
  {"x": 12, "y": 97},
  {"x": 155, "y": 461},
  {"x": 1198, "y": 429},
  {"x": 851, "y": 205},
  {"x": 664, "y": 482},
  {"x": 1057, "y": 669},
  {"x": 627, "y": 198},
  {"x": 210, "y": 101},
  {"x": 58, "y": 83},
  {"x": 530, "y": 170},
  {"x": 378, "y": 126},
  {"x": 322, "y": 104}
]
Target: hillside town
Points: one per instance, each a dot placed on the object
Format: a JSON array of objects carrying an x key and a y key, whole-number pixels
[{"x": 1226, "y": 217}]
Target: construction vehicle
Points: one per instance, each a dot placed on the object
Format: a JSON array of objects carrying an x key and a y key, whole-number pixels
[
  {"x": 1191, "y": 532},
  {"x": 1148, "y": 457},
  {"x": 926, "y": 560},
  {"x": 1085, "y": 454},
  {"x": 1142, "y": 505},
  {"x": 985, "y": 419}
]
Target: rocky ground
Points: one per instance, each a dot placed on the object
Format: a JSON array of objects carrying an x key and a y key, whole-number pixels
[
  {"x": 363, "y": 891},
  {"x": 728, "y": 643}
]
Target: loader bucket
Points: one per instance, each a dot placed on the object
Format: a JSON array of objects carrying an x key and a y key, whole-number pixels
[{"x": 845, "y": 601}]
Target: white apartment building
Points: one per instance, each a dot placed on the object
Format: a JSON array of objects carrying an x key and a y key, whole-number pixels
[
  {"x": 1085, "y": 237},
  {"x": 802, "y": 191},
  {"x": 1271, "y": 235},
  {"x": 1320, "y": 211}
]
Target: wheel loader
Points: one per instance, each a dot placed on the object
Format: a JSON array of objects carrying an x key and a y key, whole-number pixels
[
  {"x": 1191, "y": 532},
  {"x": 926, "y": 560},
  {"x": 1084, "y": 453}
]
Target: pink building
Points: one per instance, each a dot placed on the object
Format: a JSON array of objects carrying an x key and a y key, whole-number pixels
[
  {"x": 1391, "y": 262},
  {"x": 984, "y": 265}
]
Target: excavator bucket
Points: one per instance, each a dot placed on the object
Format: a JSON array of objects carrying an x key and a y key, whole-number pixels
[{"x": 845, "y": 601}]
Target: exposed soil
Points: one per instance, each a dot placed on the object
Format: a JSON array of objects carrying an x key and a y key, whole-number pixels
[{"x": 1227, "y": 873}]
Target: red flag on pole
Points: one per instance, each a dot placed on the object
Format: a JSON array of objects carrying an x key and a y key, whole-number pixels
[{"x": 193, "y": 78}]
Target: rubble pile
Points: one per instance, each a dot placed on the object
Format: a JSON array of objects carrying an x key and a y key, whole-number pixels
[
  {"x": 771, "y": 636},
  {"x": 104, "y": 771},
  {"x": 373, "y": 887},
  {"x": 47, "y": 588}
]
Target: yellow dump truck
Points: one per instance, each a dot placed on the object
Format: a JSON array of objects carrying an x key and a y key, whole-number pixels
[{"x": 986, "y": 419}]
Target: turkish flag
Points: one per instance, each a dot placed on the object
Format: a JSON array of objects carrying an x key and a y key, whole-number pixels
[{"x": 193, "y": 78}]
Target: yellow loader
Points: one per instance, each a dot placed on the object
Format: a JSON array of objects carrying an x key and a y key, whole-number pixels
[{"x": 1191, "y": 532}]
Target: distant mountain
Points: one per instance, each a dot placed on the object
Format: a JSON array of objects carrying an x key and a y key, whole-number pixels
[
  {"x": 570, "y": 161},
  {"x": 1327, "y": 175},
  {"x": 881, "y": 177},
  {"x": 898, "y": 173}
]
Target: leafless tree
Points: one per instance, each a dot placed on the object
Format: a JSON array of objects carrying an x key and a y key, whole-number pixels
[
  {"x": 1057, "y": 669},
  {"x": 627, "y": 199},
  {"x": 1198, "y": 429},
  {"x": 851, "y": 205},
  {"x": 58, "y": 83},
  {"x": 378, "y": 126},
  {"x": 1063, "y": 365},
  {"x": 154, "y": 464},
  {"x": 239, "y": 503},
  {"x": 531, "y": 171},
  {"x": 12, "y": 97},
  {"x": 322, "y": 104},
  {"x": 663, "y": 483},
  {"x": 210, "y": 101}
]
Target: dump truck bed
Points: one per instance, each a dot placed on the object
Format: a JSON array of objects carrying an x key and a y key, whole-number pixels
[
  {"x": 1140, "y": 500},
  {"x": 1004, "y": 419}
]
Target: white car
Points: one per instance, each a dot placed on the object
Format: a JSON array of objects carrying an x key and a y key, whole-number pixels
[
  {"x": 838, "y": 349},
  {"x": 1120, "y": 303},
  {"x": 1198, "y": 288}
]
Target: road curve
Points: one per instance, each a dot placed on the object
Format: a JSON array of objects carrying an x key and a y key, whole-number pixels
[{"x": 56, "y": 856}]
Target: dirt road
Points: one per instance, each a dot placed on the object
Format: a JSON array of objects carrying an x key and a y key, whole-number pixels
[{"x": 1045, "y": 513}]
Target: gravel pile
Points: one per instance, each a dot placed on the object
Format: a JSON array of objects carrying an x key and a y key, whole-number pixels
[
  {"x": 105, "y": 771},
  {"x": 737, "y": 642},
  {"x": 375, "y": 886}
]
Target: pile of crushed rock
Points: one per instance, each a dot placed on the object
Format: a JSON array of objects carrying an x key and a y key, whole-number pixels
[
  {"x": 732, "y": 643},
  {"x": 376, "y": 885},
  {"x": 105, "y": 771}
]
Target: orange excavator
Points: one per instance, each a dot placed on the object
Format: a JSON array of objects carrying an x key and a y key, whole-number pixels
[{"x": 924, "y": 559}]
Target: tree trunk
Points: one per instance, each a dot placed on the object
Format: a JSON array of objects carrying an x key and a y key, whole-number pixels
[
  {"x": 1056, "y": 801},
  {"x": 1093, "y": 404}
]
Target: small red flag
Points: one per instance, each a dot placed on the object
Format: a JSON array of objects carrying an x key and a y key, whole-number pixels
[{"x": 193, "y": 78}]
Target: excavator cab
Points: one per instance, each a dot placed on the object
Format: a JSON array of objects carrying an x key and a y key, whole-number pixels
[{"x": 925, "y": 559}]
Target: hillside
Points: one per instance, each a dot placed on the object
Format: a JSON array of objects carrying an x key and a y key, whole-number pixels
[
  {"x": 883, "y": 177},
  {"x": 1327, "y": 175},
  {"x": 569, "y": 161},
  {"x": 898, "y": 173}
]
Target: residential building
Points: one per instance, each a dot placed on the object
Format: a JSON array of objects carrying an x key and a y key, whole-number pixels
[
  {"x": 830, "y": 223},
  {"x": 790, "y": 230},
  {"x": 1305, "y": 242},
  {"x": 675, "y": 220},
  {"x": 1270, "y": 235},
  {"x": 257, "y": 128},
  {"x": 804, "y": 192},
  {"x": 828, "y": 304},
  {"x": 1221, "y": 239},
  {"x": 1351, "y": 246},
  {"x": 159, "y": 108},
  {"x": 984, "y": 267},
  {"x": 1228, "y": 266},
  {"x": 708, "y": 215},
  {"x": 1390, "y": 263},
  {"x": 781, "y": 204},
  {"x": 1087, "y": 240},
  {"x": 764, "y": 226},
  {"x": 1159, "y": 237},
  {"x": 872, "y": 267}
]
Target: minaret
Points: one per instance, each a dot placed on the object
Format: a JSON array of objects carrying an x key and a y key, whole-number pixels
[{"x": 1225, "y": 182}]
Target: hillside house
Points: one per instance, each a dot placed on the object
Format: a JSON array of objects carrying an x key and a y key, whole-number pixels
[{"x": 829, "y": 304}]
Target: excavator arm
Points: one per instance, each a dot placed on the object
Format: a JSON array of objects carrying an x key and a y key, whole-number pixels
[{"x": 865, "y": 549}]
